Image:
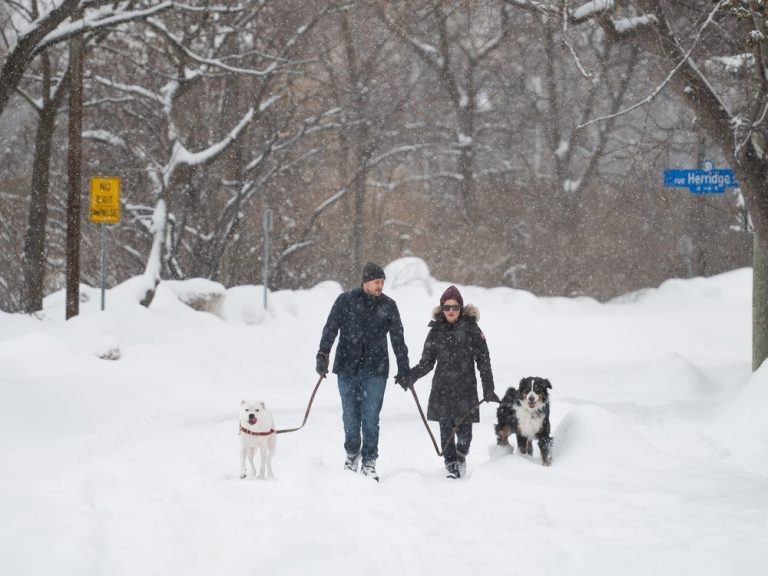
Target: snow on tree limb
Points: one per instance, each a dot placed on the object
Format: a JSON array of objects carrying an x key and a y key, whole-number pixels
[
  {"x": 534, "y": 5},
  {"x": 685, "y": 60},
  {"x": 572, "y": 51},
  {"x": 624, "y": 26},
  {"x": 212, "y": 62},
  {"x": 128, "y": 88},
  {"x": 20, "y": 55},
  {"x": 49, "y": 29},
  {"x": 154, "y": 262},
  {"x": 105, "y": 136},
  {"x": 93, "y": 22},
  {"x": 591, "y": 9},
  {"x": 330, "y": 201},
  {"x": 181, "y": 155},
  {"x": 295, "y": 248}
]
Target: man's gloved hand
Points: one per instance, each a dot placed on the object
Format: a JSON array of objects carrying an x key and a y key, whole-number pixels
[
  {"x": 321, "y": 365},
  {"x": 491, "y": 397},
  {"x": 404, "y": 381}
]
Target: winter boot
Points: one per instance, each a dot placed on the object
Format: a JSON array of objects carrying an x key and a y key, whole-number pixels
[
  {"x": 352, "y": 462},
  {"x": 369, "y": 469},
  {"x": 461, "y": 463},
  {"x": 452, "y": 470}
]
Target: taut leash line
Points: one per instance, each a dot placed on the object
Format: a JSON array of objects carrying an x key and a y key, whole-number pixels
[
  {"x": 424, "y": 419},
  {"x": 309, "y": 407},
  {"x": 466, "y": 415}
]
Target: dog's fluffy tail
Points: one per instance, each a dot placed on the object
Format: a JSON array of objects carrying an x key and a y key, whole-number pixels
[
  {"x": 506, "y": 418},
  {"x": 505, "y": 413}
]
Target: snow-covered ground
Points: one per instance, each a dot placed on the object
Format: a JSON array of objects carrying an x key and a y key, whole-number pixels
[{"x": 130, "y": 466}]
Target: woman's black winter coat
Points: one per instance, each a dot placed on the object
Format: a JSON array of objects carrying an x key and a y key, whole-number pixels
[{"x": 456, "y": 348}]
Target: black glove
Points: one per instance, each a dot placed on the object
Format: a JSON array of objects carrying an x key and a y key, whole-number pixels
[
  {"x": 403, "y": 380},
  {"x": 322, "y": 363},
  {"x": 491, "y": 397}
]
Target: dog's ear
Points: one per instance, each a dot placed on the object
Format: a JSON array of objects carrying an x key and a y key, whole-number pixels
[
  {"x": 547, "y": 384},
  {"x": 263, "y": 406},
  {"x": 242, "y": 402},
  {"x": 522, "y": 381}
]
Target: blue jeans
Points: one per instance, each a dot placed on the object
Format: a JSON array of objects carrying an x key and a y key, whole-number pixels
[{"x": 361, "y": 400}]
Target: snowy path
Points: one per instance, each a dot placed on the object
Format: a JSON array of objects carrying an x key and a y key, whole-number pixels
[{"x": 130, "y": 467}]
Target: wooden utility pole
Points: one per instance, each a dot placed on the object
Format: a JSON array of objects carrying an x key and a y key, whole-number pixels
[{"x": 74, "y": 171}]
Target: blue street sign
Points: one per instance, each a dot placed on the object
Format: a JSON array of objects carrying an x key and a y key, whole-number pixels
[{"x": 706, "y": 180}]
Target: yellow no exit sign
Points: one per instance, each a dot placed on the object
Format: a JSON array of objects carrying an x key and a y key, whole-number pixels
[{"x": 105, "y": 200}]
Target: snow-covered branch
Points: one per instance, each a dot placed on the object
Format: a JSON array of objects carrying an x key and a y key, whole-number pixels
[
  {"x": 181, "y": 155},
  {"x": 49, "y": 29},
  {"x": 534, "y": 6},
  {"x": 685, "y": 60},
  {"x": 103, "y": 19},
  {"x": 212, "y": 62},
  {"x": 592, "y": 9},
  {"x": 128, "y": 88}
]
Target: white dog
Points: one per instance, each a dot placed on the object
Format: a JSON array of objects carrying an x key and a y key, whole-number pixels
[{"x": 257, "y": 432}]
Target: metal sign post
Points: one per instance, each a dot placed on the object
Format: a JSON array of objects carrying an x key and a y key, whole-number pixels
[
  {"x": 105, "y": 209},
  {"x": 103, "y": 264},
  {"x": 266, "y": 224}
]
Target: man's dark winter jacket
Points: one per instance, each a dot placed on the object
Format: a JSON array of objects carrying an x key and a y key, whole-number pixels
[
  {"x": 363, "y": 322},
  {"x": 455, "y": 348}
]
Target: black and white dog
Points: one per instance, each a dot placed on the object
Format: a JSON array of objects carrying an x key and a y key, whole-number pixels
[{"x": 525, "y": 412}]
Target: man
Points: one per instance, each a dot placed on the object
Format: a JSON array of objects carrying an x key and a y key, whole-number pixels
[{"x": 363, "y": 317}]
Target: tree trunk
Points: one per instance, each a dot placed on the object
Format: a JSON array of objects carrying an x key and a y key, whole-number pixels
[
  {"x": 360, "y": 145},
  {"x": 751, "y": 170},
  {"x": 74, "y": 200},
  {"x": 759, "y": 301},
  {"x": 467, "y": 161},
  {"x": 34, "y": 236},
  {"x": 358, "y": 232}
]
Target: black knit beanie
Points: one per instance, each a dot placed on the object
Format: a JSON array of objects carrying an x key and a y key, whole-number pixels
[{"x": 372, "y": 271}]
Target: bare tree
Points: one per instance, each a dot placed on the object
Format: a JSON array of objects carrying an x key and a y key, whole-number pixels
[
  {"x": 199, "y": 205},
  {"x": 373, "y": 130},
  {"x": 455, "y": 42},
  {"x": 52, "y": 96},
  {"x": 360, "y": 81},
  {"x": 52, "y": 28},
  {"x": 684, "y": 36}
]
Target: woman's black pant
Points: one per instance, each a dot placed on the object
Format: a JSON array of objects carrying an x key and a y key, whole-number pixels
[{"x": 458, "y": 447}]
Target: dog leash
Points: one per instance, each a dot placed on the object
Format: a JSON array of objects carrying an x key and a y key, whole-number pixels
[
  {"x": 309, "y": 407},
  {"x": 466, "y": 415}
]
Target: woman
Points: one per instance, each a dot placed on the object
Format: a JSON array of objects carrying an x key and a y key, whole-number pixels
[{"x": 456, "y": 343}]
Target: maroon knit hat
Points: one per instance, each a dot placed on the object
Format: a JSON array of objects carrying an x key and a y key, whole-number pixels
[{"x": 452, "y": 293}]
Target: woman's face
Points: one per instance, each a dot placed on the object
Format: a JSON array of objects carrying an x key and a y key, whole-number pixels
[{"x": 451, "y": 310}]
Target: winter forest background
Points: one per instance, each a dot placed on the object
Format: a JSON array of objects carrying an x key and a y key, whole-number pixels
[{"x": 510, "y": 143}]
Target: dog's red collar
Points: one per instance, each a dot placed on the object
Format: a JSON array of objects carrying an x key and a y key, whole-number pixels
[{"x": 256, "y": 433}]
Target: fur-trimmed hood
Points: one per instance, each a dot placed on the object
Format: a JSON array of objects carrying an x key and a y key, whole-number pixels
[{"x": 470, "y": 311}]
